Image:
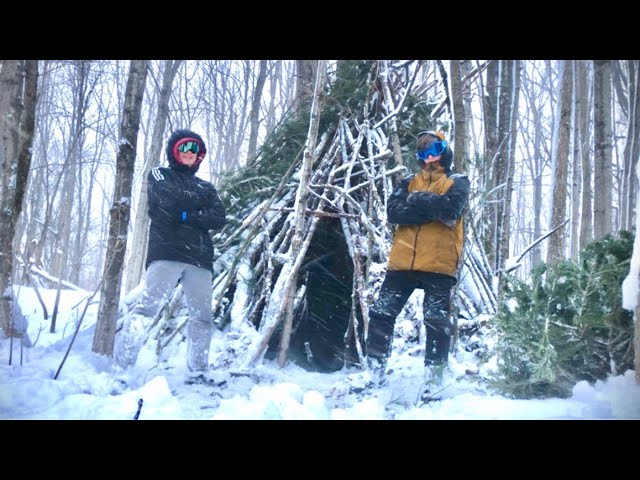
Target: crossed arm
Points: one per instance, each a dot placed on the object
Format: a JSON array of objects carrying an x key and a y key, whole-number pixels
[
  {"x": 416, "y": 208},
  {"x": 170, "y": 203}
]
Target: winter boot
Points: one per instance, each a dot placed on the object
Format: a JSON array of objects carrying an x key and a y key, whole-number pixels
[
  {"x": 203, "y": 377},
  {"x": 371, "y": 377},
  {"x": 377, "y": 368},
  {"x": 433, "y": 375},
  {"x": 130, "y": 340},
  {"x": 198, "y": 343},
  {"x": 437, "y": 346}
]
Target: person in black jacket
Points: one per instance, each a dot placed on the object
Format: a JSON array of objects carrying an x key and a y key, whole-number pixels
[
  {"x": 183, "y": 209},
  {"x": 426, "y": 251}
]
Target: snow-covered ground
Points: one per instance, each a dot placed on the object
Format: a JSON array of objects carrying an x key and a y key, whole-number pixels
[{"x": 89, "y": 386}]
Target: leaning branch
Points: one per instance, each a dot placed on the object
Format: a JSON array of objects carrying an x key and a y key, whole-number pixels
[{"x": 530, "y": 247}]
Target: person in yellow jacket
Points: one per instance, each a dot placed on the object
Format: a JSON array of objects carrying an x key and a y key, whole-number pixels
[{"x": 426, "y": 250}]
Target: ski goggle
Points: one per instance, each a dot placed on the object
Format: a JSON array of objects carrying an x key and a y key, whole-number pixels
[
  {"x": 435, "y": 149},
  {"x": 189, "y": 146}
]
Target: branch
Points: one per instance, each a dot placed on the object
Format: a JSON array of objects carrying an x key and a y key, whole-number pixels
[
  {"x": 51, "y": 278},
  {"x": 530, "y": 247},
  {"x": 397, "y": 108},
  {"x": 318, "y": 212}
]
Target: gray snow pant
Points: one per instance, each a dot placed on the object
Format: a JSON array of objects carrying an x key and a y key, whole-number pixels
[
  {"x": 162, "y": 277},
  {"x": 396, "y": 289}
]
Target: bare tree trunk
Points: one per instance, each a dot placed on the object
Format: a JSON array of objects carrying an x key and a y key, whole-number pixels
[
  {"x": 617, "y": 80},
  {"x": 141, "y": 222},
  {"x": 37, "y": 198},
  {"x": 18, "y": 98},
  {"x": 302, "y": 196},
  {"x": 288, "y": 87},
  {"x": 469, "y": 74},
  {"x": 104, "y": 336},
  {"x": 633, "y": 272},
  {"x": 461, "y": 157},
  {"x": 556, "y": 252},
  {"x": 274, "y": 81},
  {"x": 306, "y": 71},
  {"x": 533, "y": 116},
  {"x": 576, "y": 185},
  {"x": 46, "y": 183},
  {"x": 536, "y": 254},
  {"x": 631, "y": 151},
  {"x": 636, "y": 344},
  {"x": 602, "y": 197},
  {"x": 505, "y": 222},
  {"x": 82, "y": 86},
  {"x": 500, "y": 171},
  {"x": 240, "y": 131},
  {"x": 84, "y": 225},
  {"x": 582, "y": 115},
  {"x": 226, "y": 92},
  {"x": 254, "y": 116},
  {"x": 490, "y": 102}
]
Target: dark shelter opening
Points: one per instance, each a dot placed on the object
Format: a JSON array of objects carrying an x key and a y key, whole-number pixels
[{"x": 321, "y": 338}]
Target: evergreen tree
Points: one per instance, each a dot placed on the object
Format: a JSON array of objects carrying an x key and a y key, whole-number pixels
[{"x": 567, "y": 323}]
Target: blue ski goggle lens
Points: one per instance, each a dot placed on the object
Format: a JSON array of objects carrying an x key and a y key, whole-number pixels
[
  {"x": 435, "y": 149},
  {"x": 189, "y": 147}
]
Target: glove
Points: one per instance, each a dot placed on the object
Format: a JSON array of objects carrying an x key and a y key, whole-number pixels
[
  {"x": 416, "y": 197},
  {"x": 190, "y": 195},
  {"x": 404, "y": 184}
]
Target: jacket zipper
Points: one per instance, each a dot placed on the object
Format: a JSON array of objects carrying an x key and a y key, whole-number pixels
[
  {"x": 415, "y": 242},
  {"x": 415, "y": 246}
]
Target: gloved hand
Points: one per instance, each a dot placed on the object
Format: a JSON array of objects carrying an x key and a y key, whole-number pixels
[
  {"x": 190, "y": 195},
  {"x": 402, "y": 190},
  {"x": 404, "y": 184},
  {"x": 416, "y": 197}
]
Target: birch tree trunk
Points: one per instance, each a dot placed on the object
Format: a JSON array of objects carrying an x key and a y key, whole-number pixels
[
  {"x": 576, "y": 181},
  {"x": 18, "y": 98},
  {"x": 104, "y": 336},
  {"x": 505, "y": 231},
  {"x": 500, "y": 171},
  {"x": 156, "y": 149},
  {"x": 490, "y": 102},
  {"x": 602, "y": 195},
  {"x": 583, "y": 134},
  {"x": 561, "y": 162},
  {"x": 461, "y": 157}
]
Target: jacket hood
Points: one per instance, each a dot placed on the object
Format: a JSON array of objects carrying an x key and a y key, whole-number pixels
[
  {"x": 446, "y": 159},
  {"x": 171, "y": 157}
]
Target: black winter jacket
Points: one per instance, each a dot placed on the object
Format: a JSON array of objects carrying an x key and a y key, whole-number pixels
[{"x": 183, "y": 208}]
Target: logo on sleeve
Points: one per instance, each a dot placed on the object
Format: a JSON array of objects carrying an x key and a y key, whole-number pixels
[{"x": 157, "y": 174}]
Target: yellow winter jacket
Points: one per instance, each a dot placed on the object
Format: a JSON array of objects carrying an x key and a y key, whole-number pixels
[{"x": 430, "y": 232}]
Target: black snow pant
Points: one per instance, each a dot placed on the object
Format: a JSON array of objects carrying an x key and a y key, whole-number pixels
[{"x": 396, "y": 289}]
